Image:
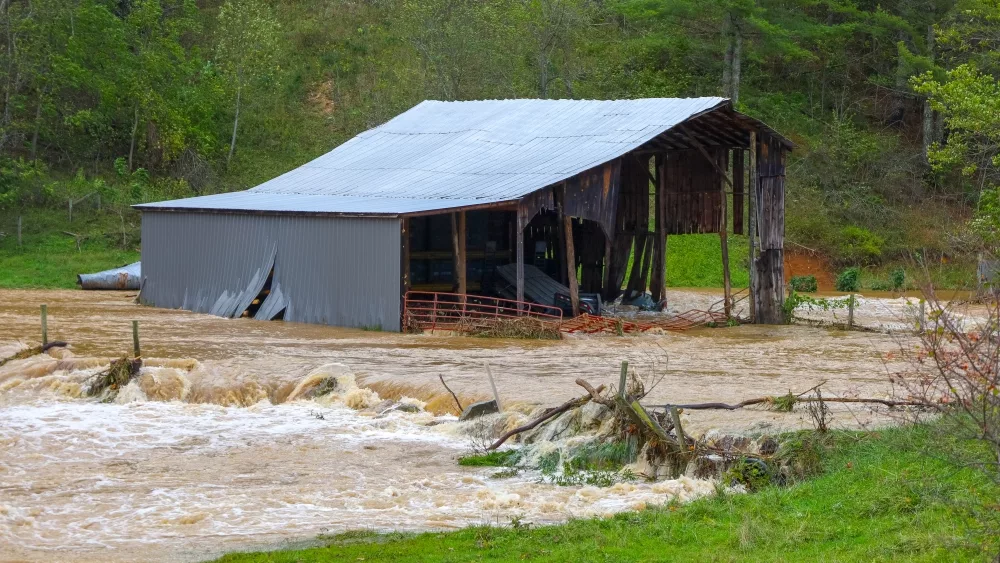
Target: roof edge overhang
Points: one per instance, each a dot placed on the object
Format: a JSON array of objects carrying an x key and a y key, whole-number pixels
[{"x": 506, "y": 204}]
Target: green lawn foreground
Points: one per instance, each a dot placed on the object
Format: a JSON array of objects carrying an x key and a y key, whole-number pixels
[{"x": 880, "y": 497}]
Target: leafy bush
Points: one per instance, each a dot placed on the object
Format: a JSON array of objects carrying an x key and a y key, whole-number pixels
[
  {"x": 806, "y": 284},
  {"x": 859, "y": 244},
  {"x": 897, "y": 279},
  {"x": 849, "y": 280}
]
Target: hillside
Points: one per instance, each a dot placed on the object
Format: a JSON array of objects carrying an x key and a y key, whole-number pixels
[{"x": 110, "y": 103}]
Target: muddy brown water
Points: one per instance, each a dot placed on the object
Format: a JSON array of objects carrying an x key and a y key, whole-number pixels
[{"x": 208, "y": 456}]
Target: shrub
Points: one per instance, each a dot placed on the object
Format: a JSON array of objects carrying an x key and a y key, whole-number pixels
[
  {"x": 805, "y": 284},
  {"x": 897, "y": 279},
  {"x": 860, "y": 244},
  {"x": 849, "y": 280}
]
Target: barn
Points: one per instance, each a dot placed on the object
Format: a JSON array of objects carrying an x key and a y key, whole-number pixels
[{"x": 490, "y": 198}]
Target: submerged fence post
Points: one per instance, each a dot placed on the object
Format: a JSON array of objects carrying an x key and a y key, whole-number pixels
[
  {"x": 45, "y": 325},
  {"x": 621, "y": 380},
  {"x": 135, "y": 339},
  {"x": 850, "y": 311},
  {"x": 496, "y": 396}
]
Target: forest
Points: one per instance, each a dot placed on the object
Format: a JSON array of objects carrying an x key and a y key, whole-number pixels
[{"x": 894, "y": 105}]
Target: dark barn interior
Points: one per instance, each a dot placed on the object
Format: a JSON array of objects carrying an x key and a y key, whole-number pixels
[{"x": 605, "y": 231}]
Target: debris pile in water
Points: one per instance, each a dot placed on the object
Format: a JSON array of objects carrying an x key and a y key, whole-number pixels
[
  {"x": 109, "y": 382},
  {"x": 606, "y": 438}
]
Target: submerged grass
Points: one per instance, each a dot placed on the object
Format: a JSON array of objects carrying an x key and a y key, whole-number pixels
[
  {"x": 879, "y": 497},
  {"x": 502, "y": 458}
]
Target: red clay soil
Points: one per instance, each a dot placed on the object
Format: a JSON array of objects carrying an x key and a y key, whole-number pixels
[{"x": 809, "y": 264}]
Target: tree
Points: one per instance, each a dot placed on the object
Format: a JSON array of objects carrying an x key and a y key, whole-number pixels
[{"x": 247, "y": 48}]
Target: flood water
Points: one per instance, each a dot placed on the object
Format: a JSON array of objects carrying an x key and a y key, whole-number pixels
[{"x": 210, "y": 450}]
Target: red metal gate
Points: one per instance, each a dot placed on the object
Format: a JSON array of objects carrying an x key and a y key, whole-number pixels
[{"x": 453, "y": 311}]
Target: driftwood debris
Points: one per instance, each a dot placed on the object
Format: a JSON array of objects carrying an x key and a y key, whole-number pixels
[
  {"x": 453, "y": 395},
  {"x": 117, "y": 376},
  {"x": 772, "y": 401},
  {"x": 570, "y": 404}
]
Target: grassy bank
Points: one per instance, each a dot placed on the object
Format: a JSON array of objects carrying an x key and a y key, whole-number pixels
[
  {"x": 880, "y": 497},
  {"x": 48, "y": 257}
]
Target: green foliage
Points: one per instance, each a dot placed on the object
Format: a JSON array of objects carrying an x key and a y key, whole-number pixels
[
  {"x": 897, "y": 279},
  {"x": 806, "y": 284},
  {"x": 496, "y": 458},
  {"x": 859, "y": 244},
  {"x": 169, "y": 86},
  {"x": 753, "y": 473},
  {"x": 849, "y": 280}
]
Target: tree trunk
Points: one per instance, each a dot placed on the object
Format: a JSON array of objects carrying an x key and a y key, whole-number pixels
[
  {"x": 131, "y": 145},
  {"x": 38, "y": 124},
  {"x": 929, "y": 124},
  {"x": 732, "y": 63},
  {"x": 727, "y": 62},
  {"x": 734, "y": 93},
  {"x": 236, "y": 123}
]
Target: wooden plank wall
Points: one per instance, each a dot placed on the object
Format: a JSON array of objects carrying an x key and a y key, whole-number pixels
[{"x": 693, "y": 196}]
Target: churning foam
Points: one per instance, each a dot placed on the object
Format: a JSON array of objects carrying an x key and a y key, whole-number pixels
[{"x": 192, "y": 460}]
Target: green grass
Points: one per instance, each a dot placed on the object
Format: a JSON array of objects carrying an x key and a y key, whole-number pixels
[
  {"x": 48, "y": 258},
  {"x": 502, "y": 458},
  {"x": 880, "y": 497}
]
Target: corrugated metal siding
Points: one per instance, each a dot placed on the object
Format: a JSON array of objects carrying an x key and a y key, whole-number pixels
[
  {"x": 441, "y": 155},
  {"x": 341, "y": 271}
]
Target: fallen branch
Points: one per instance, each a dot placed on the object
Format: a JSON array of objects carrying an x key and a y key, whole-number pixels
[
  {"x": 453, "y": 395},
  {"x": 595, "y": 394},
  {"x": 770, "y": 400},
  {"x": 33, "y": 351},
  {"x": 570, "y": 404}
]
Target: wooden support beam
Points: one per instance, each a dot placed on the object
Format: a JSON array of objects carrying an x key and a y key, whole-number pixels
[
  {"x": 738, "y": 199},
  {"x": 752, "y": 226},
  {"x": 658, "y": 281},
  {"x": 520, "y": 258},
  {"x": 574, "y": 287},
  {"x": 458, "y": 246},
  {"x": 404, "y": 258},
  {"x": 724, "y": 239},
  {"x": 557, "y": 196}
]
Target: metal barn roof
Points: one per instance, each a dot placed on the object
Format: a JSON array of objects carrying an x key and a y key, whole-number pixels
[{"x": 446, "y": 155}]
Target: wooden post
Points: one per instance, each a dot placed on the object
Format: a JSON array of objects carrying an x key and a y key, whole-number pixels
[
  {"x": 574, "y": 287},
  {"x": 724, "y": 239},
  {"x": 850, "y": 311},
  {"x": 458, "y": 243},
  {"x": 45, "y": 325},
  {"x": 493, "y": 386},
  {"x": 404, "y": 259},
  {"x": 520, "y": 259},
  {"x": 135, "y": 340},
  {"x": 676, "y": 416},
  {"x": 606, "y": 282},
  {"x": 659, "y": 277},
  {"x": 558, "y": 196},
  {"x": 19, "y": 231},
  {"x": 622, "y": 380},
  {"x": 752, "y": 223}
]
